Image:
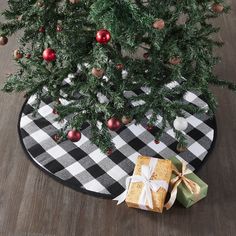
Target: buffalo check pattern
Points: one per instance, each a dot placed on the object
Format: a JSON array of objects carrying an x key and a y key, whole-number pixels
[{"x": 84, "y": 167}]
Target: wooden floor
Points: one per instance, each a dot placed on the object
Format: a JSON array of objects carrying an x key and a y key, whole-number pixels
[{"x": 33, "y": 204}]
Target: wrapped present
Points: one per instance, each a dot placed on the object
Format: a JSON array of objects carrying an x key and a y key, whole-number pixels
[
  {"x": 148, "y": 186},
  {"x": 187, "y": 187}
]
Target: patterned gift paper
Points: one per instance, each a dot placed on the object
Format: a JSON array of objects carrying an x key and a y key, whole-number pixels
[
  {"x": 84, "y": 167},
  {"x": 162, "y": 171}
]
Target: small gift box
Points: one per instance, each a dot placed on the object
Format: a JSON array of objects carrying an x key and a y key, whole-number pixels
[
  {"x": 148, "y": 186},
  {"x": 187, "y": 187}
]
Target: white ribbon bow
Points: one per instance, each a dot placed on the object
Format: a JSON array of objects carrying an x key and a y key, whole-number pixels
[{"x": 149, "y": 185}]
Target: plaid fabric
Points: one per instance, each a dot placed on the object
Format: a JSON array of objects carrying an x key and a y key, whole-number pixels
[{"x": 84, "y": 167}]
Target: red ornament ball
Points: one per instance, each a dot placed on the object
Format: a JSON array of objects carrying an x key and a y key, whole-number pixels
[
  {"x": 42, "y": 29},
  {"x": 49, "y": 54},
  {"x": 59, "y": 28},
  {"x": 113, "y": 124},
  {"x": 3, "y": 40},
  {"x": 149, "y": 127},
  {"x": 28, "y": 55},
  {"x": 54, "y": 111},
  {"x": 74, "y": 135},
  {"x": 146, "y": 55},
  {"x": 109, "y": 151},
  {"x": 217, "y": 8},
  {"x": 119, "y": 66},
  {"x": 103, "y": 36},
  {"x": 17, "y": 54}
]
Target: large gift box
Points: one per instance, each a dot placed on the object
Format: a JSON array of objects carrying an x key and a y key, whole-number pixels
[
  {"x": 187, "y": 187},
  {"x": 148, "y": 186}
]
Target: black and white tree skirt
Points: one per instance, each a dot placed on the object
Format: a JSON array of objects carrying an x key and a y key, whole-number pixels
[{"x": 84, "y": 167}]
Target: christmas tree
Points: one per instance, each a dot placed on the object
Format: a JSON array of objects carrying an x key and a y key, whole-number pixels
[{"x": 96, "y": 43}]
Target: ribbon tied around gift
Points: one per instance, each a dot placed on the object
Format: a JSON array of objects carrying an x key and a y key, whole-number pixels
[
  {"x": 149, "y": 185},
  {"x": 193, "y": 187}
]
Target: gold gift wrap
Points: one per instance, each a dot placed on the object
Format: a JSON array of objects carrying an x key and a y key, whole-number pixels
[{"x": 162, "y": 172}]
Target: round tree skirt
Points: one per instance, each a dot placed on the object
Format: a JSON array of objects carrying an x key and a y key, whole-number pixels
[{"x": 84, "y": 167}]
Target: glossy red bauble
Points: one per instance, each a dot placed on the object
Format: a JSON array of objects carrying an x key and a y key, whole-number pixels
[
  {"x": 218, "y": 8},
  {"x": 74, "y": 135},
  {"x": 149, "y": 127},
  {"x": 17, "y": 54},
  {"x": 28, "y": 56},
  {"x": 59, "y": 28},
  {"x": 54, "y": 111},
  {"x": 109, "y": 151},
  {"x": 42, "y": 29},
  {"x": 103, "y": 36},
  {"x": 49, "y": 54},
  {"x": 3, "y": 40},
  {"x": 113, "y": 124},
  {"x": 119, "y": 66},
  {"x": 146, "y": 55}
]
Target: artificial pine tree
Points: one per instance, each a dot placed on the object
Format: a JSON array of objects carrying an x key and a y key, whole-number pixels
[{"x": 96, "y": 43}]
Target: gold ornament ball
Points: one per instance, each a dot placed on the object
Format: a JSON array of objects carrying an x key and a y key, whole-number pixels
[
  {"x": 3, "y": 40},
  {"x": 19, "y": 18},
  {"x": 218, "y": 8},
  {"x": 181, "y": 148},
  {"x": 175, "y": 60},
  {"x": 40, "y": 3},
  {"x": 159, "y": 24},
  {"x": 74, "y": 1},
  {"x": 17, "y": 54},
  {"x": 97, "y": 72},
  {"x": 126, "y": 120}
]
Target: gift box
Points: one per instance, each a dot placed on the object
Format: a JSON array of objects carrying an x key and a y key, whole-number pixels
[
  {"x": 189, "y": 187},
  {"x": 148, "y": 186}
]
